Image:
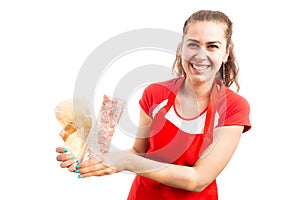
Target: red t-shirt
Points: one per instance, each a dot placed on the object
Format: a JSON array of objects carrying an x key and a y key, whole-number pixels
[{"x": 173, "y": 139}]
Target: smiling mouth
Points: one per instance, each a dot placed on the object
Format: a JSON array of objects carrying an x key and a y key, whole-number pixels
[{"x": 199, "y": 67}]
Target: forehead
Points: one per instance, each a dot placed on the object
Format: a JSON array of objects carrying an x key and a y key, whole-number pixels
[{"x": 206, "y": 31}]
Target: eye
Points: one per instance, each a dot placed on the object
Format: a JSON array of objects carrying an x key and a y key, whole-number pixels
[
  {"x": 193, "y": 45},
  {"x": 213, "y": 46}
]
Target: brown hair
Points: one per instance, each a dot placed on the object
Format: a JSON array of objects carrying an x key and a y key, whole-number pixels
[{"x": 231, "y": 66}]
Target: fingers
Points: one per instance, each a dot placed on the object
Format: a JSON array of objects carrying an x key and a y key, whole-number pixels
[
  {"x": 69, "y": 164},
  {"x": 61, "y": 150},
  {"x": 90, "y": 167},
  {"x": 95, "y": 170},
  {"x": 64, "y": 157},
  {"x": 89, "y": 162},
  {"x": 67, "y": 160},
  {"x": 93, "y": 167},
  {"x": 103, "y": 172}
]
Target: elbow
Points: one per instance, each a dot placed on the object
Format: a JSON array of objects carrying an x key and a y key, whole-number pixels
[
  {"x": 199, "y": 188},
  {"x": 198, "y": 184}
]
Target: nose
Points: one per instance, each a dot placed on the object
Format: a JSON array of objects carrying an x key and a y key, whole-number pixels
[{"x": 201, "y": 54}]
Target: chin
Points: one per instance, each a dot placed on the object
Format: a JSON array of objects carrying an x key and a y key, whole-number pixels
[{"x": 199, "y": 80}]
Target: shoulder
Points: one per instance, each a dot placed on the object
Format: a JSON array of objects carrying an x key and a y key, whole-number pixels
[
  {"x": 235, "y": 100},
  {"x": 234, "y": 109},
  {"x": 157, "y": 93}
]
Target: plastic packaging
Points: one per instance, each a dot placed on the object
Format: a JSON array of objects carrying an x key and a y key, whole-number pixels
[
  {"x": 78, "y": 133},
  {"x": 108, "y": 117}
]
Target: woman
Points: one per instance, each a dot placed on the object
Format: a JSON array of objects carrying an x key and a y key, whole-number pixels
[{"x": 189, "y": 126}]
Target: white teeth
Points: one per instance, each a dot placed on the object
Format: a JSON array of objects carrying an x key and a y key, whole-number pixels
[{"x": 199, "y": 67}]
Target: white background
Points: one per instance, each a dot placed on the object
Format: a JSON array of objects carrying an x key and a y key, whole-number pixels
[{"x": 43, "y": 45}]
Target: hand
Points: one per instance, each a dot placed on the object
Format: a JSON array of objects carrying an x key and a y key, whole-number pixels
[
  {"x": 67, "y": 160},
  {"x": 94, "y": 167}
]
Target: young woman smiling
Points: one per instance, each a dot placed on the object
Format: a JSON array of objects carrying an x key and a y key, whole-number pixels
[{"x": 189, "y": 126}]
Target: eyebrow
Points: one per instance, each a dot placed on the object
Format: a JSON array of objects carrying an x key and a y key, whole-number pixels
[{"x": 211, "y": 42}]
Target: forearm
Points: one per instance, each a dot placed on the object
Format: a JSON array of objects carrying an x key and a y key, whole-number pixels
[
  {"x": 182, "y": 177},
  {"x": 194, "y": 178}
]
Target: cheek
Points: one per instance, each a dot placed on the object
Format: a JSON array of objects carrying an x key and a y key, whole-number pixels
[
  {"x": 187, "y": 54},
  {"x": 223, "y": 55},
  {"x": 217, "y": 58}
]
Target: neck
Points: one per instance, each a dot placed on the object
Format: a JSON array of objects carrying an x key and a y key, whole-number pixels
[{"x": 200, "y": 91}]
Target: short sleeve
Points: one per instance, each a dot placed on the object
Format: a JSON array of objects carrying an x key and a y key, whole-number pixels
[
  {"x": 156, "y": 93},
  {"x": 146, "y": 100},
  {"x": 237, "y": 112}
]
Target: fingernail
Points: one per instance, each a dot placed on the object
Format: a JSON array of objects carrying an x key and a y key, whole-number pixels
[
  {"x": 65, "y": 150},
  {"x": 76, "y": 171},
  {"x": 80, "y": 176},
  {"x": 77, "y": 161},
  {"x": 72, "y": 156},
  {"x": 77, "y": 166}
]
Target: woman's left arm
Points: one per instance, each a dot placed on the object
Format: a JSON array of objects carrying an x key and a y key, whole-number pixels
[
  {"x": 194, "y": 178},
  {"x": 206, "y": 169}
]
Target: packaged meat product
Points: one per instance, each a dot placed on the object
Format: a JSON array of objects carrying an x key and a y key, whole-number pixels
[{"x": 108, "y": 117}]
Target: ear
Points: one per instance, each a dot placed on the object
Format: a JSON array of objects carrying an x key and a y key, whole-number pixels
[
  {"x": 179, "y": 49},
  {"x": 226, "y": 55}
]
